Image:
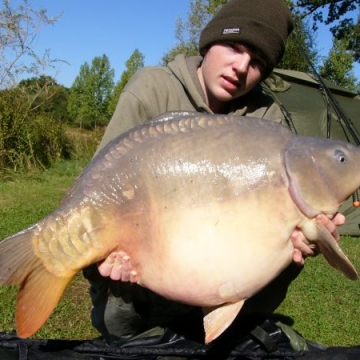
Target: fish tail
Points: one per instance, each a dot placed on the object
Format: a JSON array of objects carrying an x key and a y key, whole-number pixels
[{"x": 40, "y": 290}]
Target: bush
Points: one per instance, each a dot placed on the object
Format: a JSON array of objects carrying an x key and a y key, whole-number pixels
[
  {"x": 48, "y": 141},
  {"x": 28, "y": 141},
  {"x": 84, "y": 142}
]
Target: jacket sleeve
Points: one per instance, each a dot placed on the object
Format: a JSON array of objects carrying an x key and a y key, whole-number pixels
[{"x": 141, "y": 100}]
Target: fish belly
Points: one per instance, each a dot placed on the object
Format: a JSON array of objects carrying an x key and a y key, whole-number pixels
[{"x": 239, "y": 245}]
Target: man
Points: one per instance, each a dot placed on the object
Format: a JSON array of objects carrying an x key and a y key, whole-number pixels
[{"x": 239, "y": 48}]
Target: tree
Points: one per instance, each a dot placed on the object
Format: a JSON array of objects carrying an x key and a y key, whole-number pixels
[
  {"x": 46, "y": 97},
  {"x": 135, "y": 62},
  {"x": 19, "y": 28},
  {"x": 188, "y": 33},
  {"x": 213, "y": 6},
  {"x": 338, "y": 66},
  {"x": 337, "y": 14},
  {"x": 27, "y": 138},
  {"x": 91, "y": 92},
  {"x": 300, "y": 47}
]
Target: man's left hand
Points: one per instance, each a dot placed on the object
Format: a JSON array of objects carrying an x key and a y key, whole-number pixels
[{"x": 302, "y": 247}]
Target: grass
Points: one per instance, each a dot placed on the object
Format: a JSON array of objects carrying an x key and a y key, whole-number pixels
[
  {"x": 322, "y": 304},
  {"x": 24, "y": 200}
]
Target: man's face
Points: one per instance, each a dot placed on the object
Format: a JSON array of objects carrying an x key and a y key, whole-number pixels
[{"x": 228, "y": 71}]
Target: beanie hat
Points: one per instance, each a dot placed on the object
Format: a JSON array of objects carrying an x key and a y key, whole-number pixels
[{"x": 261, "y": 24}]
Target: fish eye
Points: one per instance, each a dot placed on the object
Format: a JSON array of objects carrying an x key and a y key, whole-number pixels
[{"x": 340, "y": 156}]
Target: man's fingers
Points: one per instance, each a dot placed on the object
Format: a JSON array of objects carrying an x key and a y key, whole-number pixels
[
  {"x": 298, "y": 257},
  {"x": 332, "y": 224},
  {"x": 111, "y": 266}
]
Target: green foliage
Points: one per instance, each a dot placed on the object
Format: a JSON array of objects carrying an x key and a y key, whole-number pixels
[
  {"x": 322, "y": 304},
  {"x": 29, "y": 135},
  {"x": 187, "y": 33},
  {"x": 28, "y": 140},
  {"x": 135, "y": 62},
  {"x": 91, "y": 92},
  {"x": 214, "y": 5},
  {"x": 84, "y": 142},
  {"x": 338, "y": 16},
  {"x": 48, "y": 140},
  {"x": 47, "y": 97},
  {"x": 300, "y": 46},
  {"x": 338, "y": 67},
  {"x": 23, "y": 201}
]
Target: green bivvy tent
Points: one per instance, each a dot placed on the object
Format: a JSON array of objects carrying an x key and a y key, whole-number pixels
[{"x": 316, "y": 107}]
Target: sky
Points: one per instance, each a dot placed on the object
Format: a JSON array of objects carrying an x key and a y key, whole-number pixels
[{"x": 90, "y": 28}]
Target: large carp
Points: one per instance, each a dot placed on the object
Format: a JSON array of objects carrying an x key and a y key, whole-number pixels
[{"x": 201, "y": 207}]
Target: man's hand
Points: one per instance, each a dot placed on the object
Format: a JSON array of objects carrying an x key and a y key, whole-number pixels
[
  {"x": 118, "y": 267},
  {"x": 302, "y": 247},
  {"x": 111, "y": 266}
]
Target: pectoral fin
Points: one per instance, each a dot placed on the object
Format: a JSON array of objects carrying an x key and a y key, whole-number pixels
[
  {"x": 218, "y": 319},
  {"x": 332, "y": 252}
]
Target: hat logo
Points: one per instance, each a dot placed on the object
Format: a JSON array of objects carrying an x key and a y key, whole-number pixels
[{"x": 232, "y": 30}]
